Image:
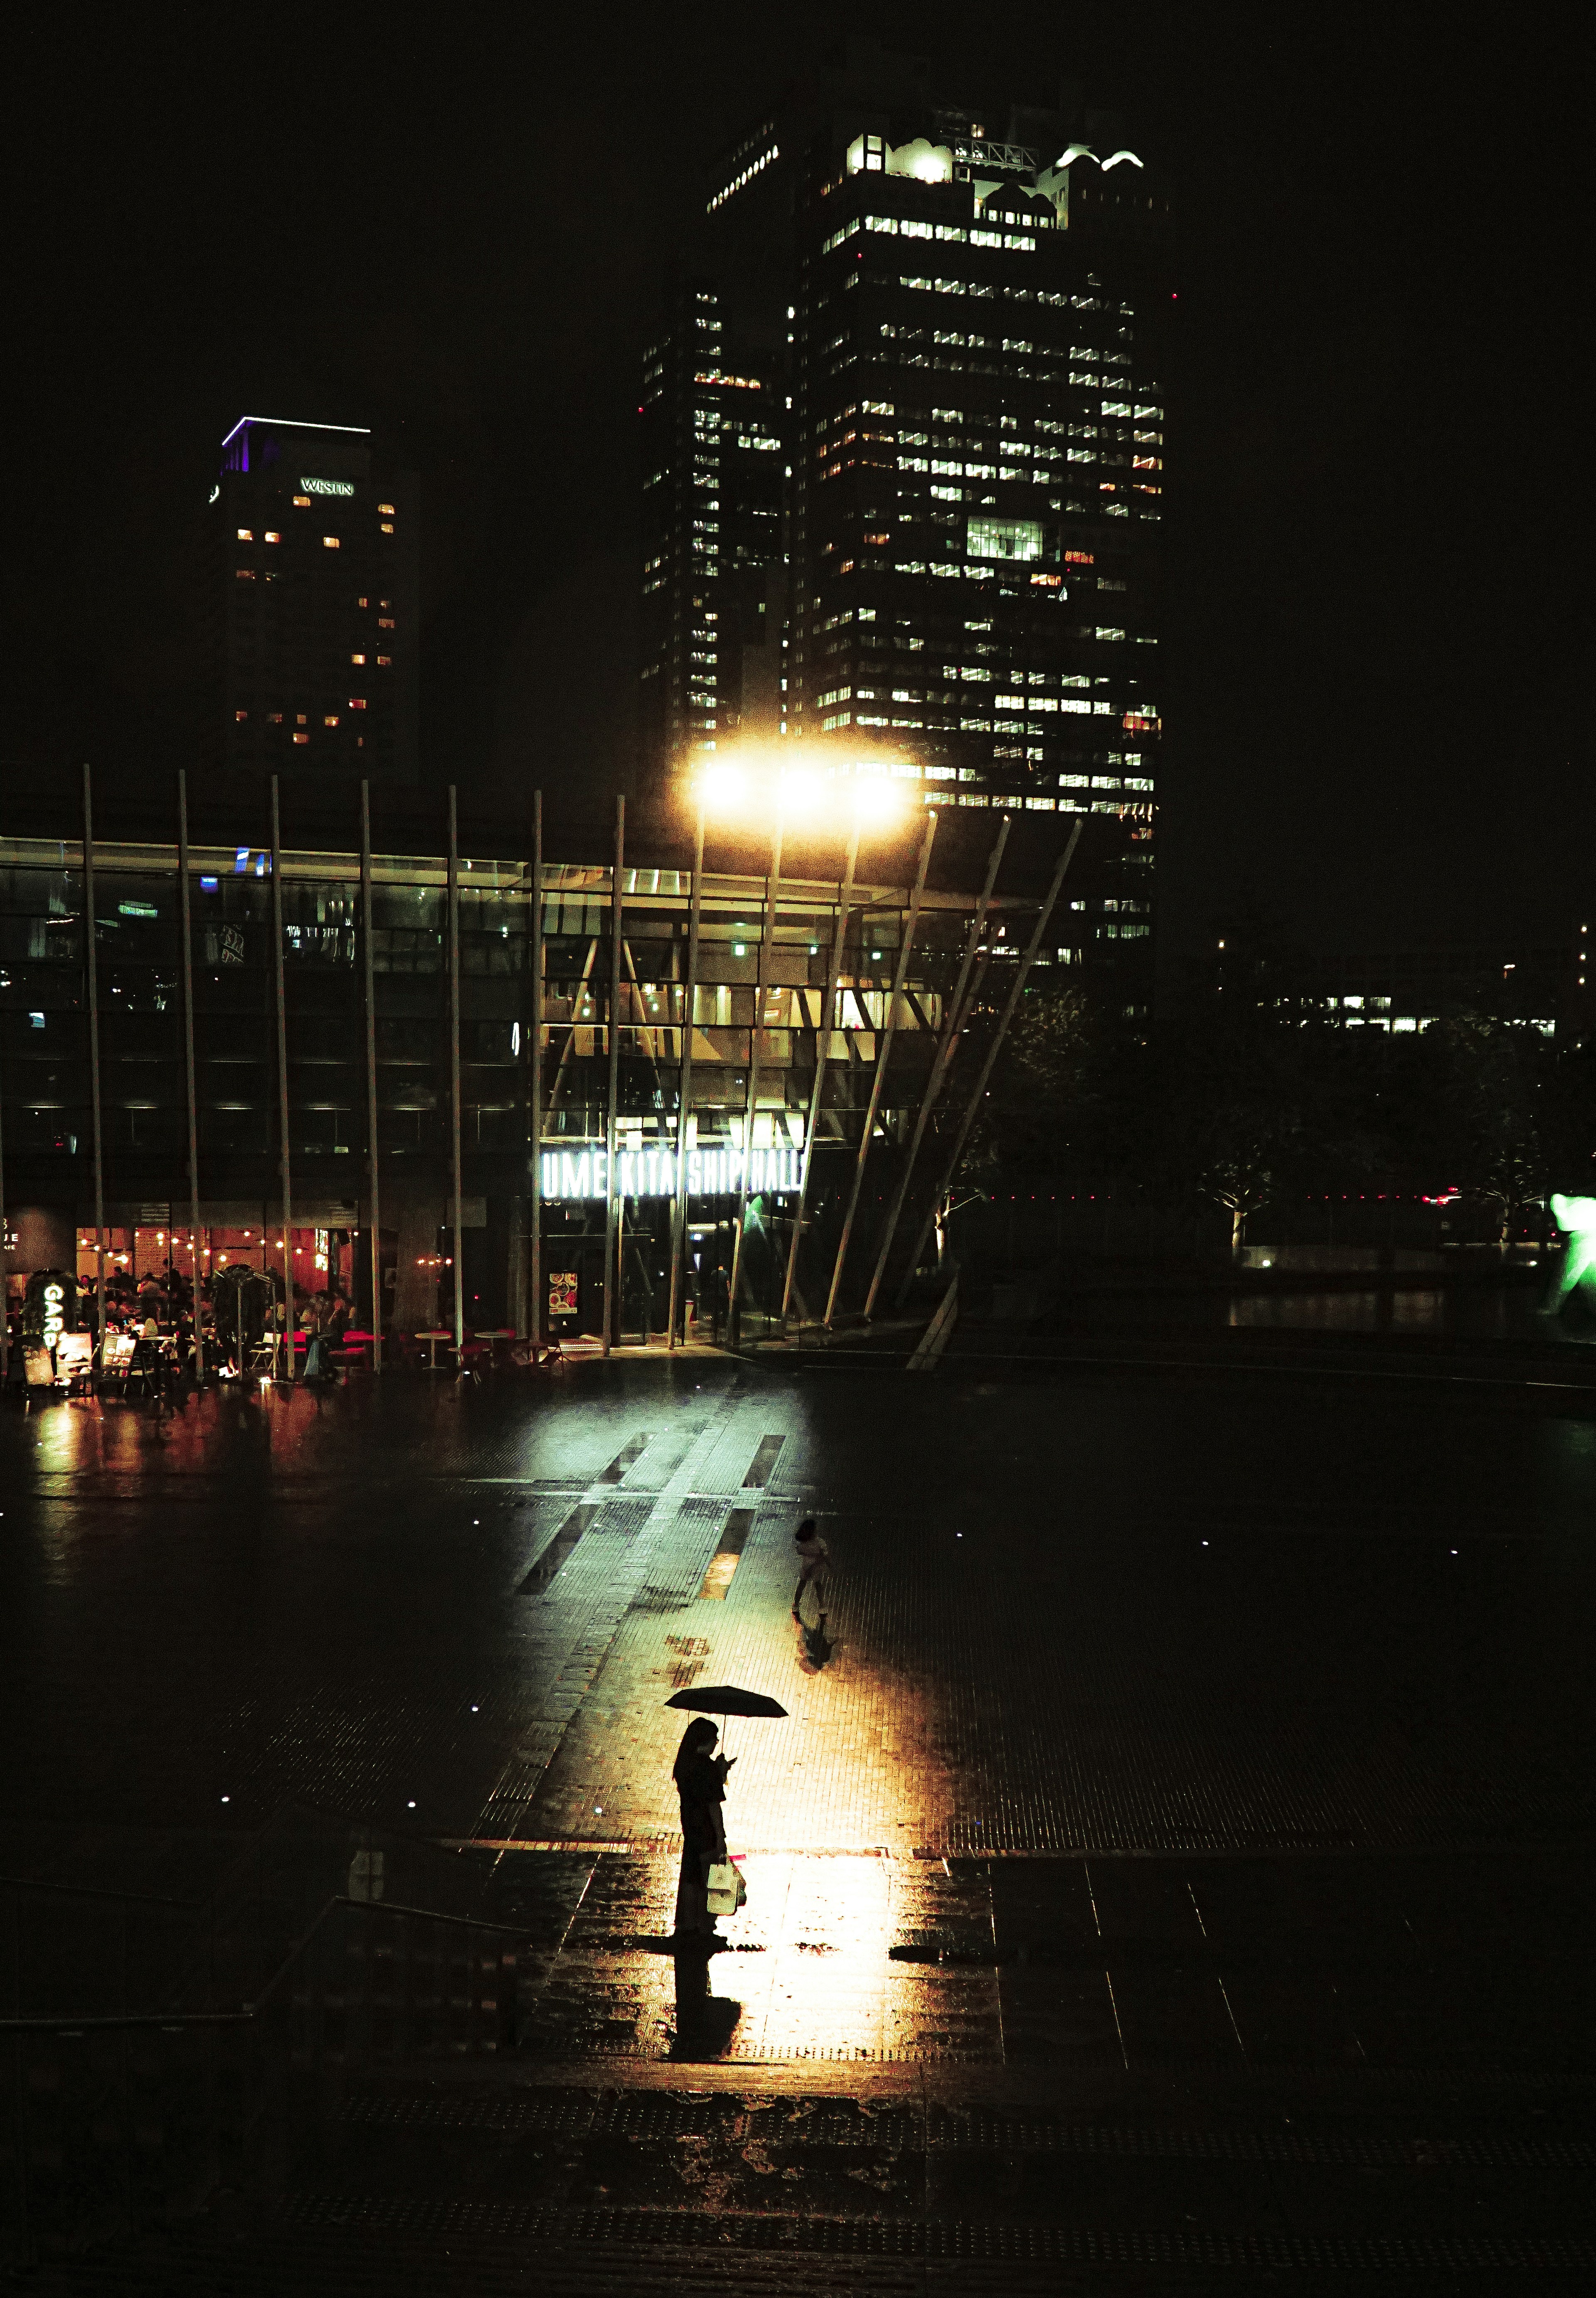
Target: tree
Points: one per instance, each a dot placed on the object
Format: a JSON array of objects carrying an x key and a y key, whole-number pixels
[
  {"x": 1238, "y": 1171},
  {"x": 1478, "y": 1096}
]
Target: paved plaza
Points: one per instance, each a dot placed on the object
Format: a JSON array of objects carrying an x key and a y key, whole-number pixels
[{"x": 1192, "y": 1766}]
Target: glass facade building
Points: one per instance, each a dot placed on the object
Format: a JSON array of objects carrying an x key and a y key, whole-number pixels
[{"x": 400, "y": 1049}]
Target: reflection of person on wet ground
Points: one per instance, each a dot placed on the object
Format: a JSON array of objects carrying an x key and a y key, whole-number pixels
[
  {"x": 701, "y": 1777},
  {"x": 812, "y": 1554},
  {"x": 705, "y": 2022}
]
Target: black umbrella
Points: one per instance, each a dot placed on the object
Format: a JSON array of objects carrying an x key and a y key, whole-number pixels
[{"x": 724, "y": 1699}]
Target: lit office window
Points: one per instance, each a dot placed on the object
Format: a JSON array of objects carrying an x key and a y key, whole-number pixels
[
  {"x": 271, "y": 536},
  {"x": 329, "y": 542},
  {"x": 305, "y": 737},
  {"x": 357, "y": 658},
  {"x": 245, "y": 534},
  {"x": 386, "y": 508}
]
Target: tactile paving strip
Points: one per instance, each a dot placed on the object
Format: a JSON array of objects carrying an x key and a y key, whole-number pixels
[
  {"x": 944, "y": 2238},
  {"x": 661, "y": 2119}
]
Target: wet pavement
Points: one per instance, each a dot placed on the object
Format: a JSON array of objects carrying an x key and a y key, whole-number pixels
[
  {"x": 1186, "y": 1760},
  {"x": 1126, "y": 1614}
]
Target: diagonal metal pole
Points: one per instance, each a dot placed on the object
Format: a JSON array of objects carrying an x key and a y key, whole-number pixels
[
  {"x": 822, "y": 1048},
  {"x": 1010, "y": 1005},
  {"x": 612, "y": 1260},
  {"x": 185, "y": 913},
  {"x": 92, "y": 987},
  {"x": 534, "y": 1318},
  {"x": 883, "y": 1053},
  {"x": 282, "y": 1160},
  {"x": 566, "y": 1052},
  {"x": 751, "y": 1105},
  {"x": 971, "y": 997},
  {"x": 940, "y": 1065},
  {"x": 368, "y": 957},
  {"x": 685, "y": 1078}
]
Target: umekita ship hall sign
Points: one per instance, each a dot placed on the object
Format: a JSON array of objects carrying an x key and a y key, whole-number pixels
[{"x": 652, "y": 1172}]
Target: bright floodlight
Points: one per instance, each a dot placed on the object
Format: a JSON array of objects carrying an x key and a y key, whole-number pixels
[
  {"x": 802, "y": 786},
  {"x": 802, "y": 791},
  {"x": 723, "y": 788},
  {"x": 875, "y": 797}
]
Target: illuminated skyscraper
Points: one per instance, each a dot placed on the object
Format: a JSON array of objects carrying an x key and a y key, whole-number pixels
[
  {"x": 312, "y": 606},
  {"x": 954, "y": 320},
  {"x": 714, "y": 426}
]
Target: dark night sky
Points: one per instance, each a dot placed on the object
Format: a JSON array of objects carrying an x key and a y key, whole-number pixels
[{"x": 454, "y": 233}]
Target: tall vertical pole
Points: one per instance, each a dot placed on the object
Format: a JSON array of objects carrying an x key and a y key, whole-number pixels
[
  {"x": 822, "y": 1048},
  {"x": 4, "y": 1253},
  {"x": 612, "y": 1270},
  {"x": 685, "y": 1076},
  {"x": 185, "y": 909},
  {"x": 454, "y": 1075},
  {"x": 373, "y": 1192},
  {"x": 951, "y": 1023},
  {"x": 751, "y": 1100},
  {"x": 283, "y": 1154},
  {"x": 883, "y": 1054},
  {"x": 1010, "y": 1005},
  {"x": 92, "y": 986},
  {"x": 535, "y": 1313}
]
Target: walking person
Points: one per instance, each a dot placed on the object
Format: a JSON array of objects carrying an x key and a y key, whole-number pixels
[
  {"x": 812, "y": 1554},
  {"x": 701, "y": 1777}
]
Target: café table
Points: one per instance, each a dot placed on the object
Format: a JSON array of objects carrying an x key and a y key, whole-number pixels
[{"x": 432, "y": 1340}]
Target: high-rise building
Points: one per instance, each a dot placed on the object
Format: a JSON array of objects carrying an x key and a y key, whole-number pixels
[
  {"x": 944, "y": 327},
  {"x": 715, "y": 444},
  {"x": 312, "y": 606}
]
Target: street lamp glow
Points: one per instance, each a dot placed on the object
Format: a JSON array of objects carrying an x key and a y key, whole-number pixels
[
  {"x": 876, "y": 799},
  {"x": 723, "y": 788},
  {"x": 809, "y": 785},
  {"x": 801, "y": 792}
]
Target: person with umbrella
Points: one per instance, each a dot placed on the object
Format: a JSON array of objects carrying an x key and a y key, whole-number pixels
[{"x": 701, "y": 1777}]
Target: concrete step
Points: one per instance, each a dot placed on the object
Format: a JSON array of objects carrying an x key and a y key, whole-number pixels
[{"x": 316, "y": 2245}]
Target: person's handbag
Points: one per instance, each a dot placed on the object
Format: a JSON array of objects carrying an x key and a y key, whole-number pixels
[{"x": 724, "y": 1890}]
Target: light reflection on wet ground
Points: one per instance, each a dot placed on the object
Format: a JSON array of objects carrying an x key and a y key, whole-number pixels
[
  {"x": 805, "y": 1972},
  {"x": 1135, "y": 1615},
  {"x": 1296, "y": 1675}
]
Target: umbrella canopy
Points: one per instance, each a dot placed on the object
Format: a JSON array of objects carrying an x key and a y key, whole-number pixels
[{"x": 726, "y": 1699}]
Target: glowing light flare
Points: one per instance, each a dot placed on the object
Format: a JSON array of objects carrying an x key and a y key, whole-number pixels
[
  {"x": 800, "y": 793},
  {"x": 722, "y": 789},
  {"x": 812, "y": 788}
]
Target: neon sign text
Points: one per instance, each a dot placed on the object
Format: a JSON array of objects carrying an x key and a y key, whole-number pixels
[{"x": 576, "y": 1173}]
